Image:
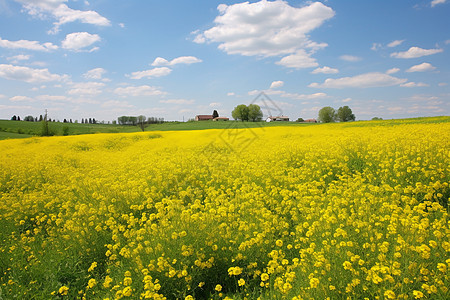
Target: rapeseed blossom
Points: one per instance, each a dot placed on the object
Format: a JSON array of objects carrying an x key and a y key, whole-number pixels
[{"x": 332, "y": 211}]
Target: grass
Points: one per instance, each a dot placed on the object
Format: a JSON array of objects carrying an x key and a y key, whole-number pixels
[{"x": 22, "y": 129}]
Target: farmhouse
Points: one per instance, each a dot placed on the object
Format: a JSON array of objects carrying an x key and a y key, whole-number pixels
[
  {"x": 279, "y": 118},
  {"x": 310, "y": 121},
  {"x": 203, "y": 117},
  {"x": 210, "y": 117}
]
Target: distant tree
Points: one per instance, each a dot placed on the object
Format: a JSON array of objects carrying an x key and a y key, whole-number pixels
[
  {"x": 344, "y": 114},
  {"x": 215, "y": 114},
  {"x": 376, "y": 119},
  {"x": 90, "y": 121},
  {"x": 36, "y": 119},
  {"x": 240, "y": 112},
  {"x": 65, "y": 121},
  {"x": 141, "y": 121},
  {"x": 45, "y": 130},
  {"x": 300, "y": 120},
  {"x": 94, "y": 121},
  {"x": 14, "y": 118},
  {"x": 70, "y": 121},
  {"x": 254, "y": 113},
  {"x": 327, "y": 114},
  {"x": 18, "y": 118},
  {"x": 40, "y": 118},
  {"x": 29, "y": 119}
]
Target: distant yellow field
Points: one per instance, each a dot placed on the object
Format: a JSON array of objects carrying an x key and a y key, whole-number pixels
[{"x": 313, "y": 212}]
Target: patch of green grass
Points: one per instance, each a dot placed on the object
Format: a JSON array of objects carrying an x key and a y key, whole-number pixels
[{"x": 13, "y": 135}]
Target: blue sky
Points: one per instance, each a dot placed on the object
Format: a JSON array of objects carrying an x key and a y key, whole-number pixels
[{"x": 176, "y": 59}]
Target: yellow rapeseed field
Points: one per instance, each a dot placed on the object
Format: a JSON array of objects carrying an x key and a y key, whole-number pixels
[{"x": 339, "y": 211}]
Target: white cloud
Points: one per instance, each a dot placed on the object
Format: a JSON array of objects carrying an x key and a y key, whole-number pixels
[
  {"x": 156, "y": 72},
  {"x": 276, "y": 84},
  {"x": 350, "y": 58},
  {"x": 443, "y": 84},
  {"x": 19, "y": 57},
  {"x": 28, "y": 45},
  {"x": 423, "y": 67},
  {"x": 361, "y": 81},
  {"x": 231, "y": 94},
  {"x": 21, "y": 98},
  {"x": 414, "y": 84},
  {"x": 347, "y": 100},
  {"x": 29, "y": 75},
  {"x": 86, "y": 88},
  {"x": 395, "y": 43},
  {"x": 142, "y": 90},
  {"x": 78, "y": 40},
  {"x": 325, "y": 70},
  {"x": 159, "y": 61},
  {"x": 415, "y": 52},
  {"x": 62, "y": 13},
  {"x": 304, "y": 96},
  {"x": 53, "y": 98},
  {"x": 267, "y": 28},
  {"x": 95, "y": 74},
  {"x": 301, "y": 59},
  {"x": 177, "y": 101},
  {"x": 376, "y": 46},
  {"x": 117, "y": 104},
  {"x": 436, "y": 2},
  {"x": 392, "y": 71},
  {"x": 215, "y": 104}
]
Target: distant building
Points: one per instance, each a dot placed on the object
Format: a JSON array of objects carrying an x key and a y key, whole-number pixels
[
  {"x": 209, "y": 117},
  {"x": 203, "y": 117},
  {"x": 310, "y": 121},
  {"x": 279, "y": 119}
]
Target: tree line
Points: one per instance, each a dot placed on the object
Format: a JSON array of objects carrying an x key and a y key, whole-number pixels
[{"x": 328, "y": 114}]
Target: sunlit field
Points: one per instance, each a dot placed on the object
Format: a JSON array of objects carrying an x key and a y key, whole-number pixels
[{"x": 338, "y": 211}]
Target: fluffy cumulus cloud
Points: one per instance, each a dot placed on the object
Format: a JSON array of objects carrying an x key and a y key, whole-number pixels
[
  {"x": 177, "y": 101},
  {"x": 95, "y": 74},
  {"x": 415, "y": 52},
  {"x": 392, "y": 71},
  {"x": 86, "y": 88},
  {"x": 268, "y": 28},
  {"x": 350, "y": 58},
  {"x": 77, "y": 41},
  {"x": 423, "y": 67},
  {"x": 136, "y": 91},
  {"x": 159, "y": 61},
  {"x": 436, "y": 2},
  {"x": 299, "y": 60},
  {"x": 63, "y": 14},
  {"x": 21, "y": 99},
  {"x": 27, "y": 45},
  {"x": 29, "y": 75},
  {"x": 395, "y": 43},
  {"x": 414, "y": 84},
  {"x": 152, "y": 73},
  {"x": 276, "y": 84},
  {"x": 325, "y": 70},
  {"x": 361, "y": 81}
]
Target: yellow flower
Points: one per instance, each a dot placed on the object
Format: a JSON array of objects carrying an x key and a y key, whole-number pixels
[
  {"x": 417, "y": 294},
  {"x": 314, "y": 282},
  {"x": 279, "y": 243},
  {"x": 92, "y": 267},
  {"x": 127, "y": 291},
  {"x": 218, "y": 288},
  {"x": 241, "y": 282},
  {"x": 264, "y": 277},
  {"x": 389, "y": 294},
  {"x": 91, "y": 283},
  {"x": 64, "y": 290}
]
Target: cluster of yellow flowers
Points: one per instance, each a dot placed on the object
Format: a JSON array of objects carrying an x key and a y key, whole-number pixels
[{"x": 355, "y": 210}]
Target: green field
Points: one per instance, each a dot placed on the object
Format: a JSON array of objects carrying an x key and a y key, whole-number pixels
[{"x": 21, "y": 129}]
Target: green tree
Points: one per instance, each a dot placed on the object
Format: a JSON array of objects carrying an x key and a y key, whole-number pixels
[
  {"x": 345, "y": 114},
  {"x": 141, "y": 122},
  {"x": 300, "y": 120},
  {"x": 240, "y": 112},
  {"x": 327, "y": 114},
  {"x": 215, "y": 114},
  {"x": 254, "y": 113}
]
